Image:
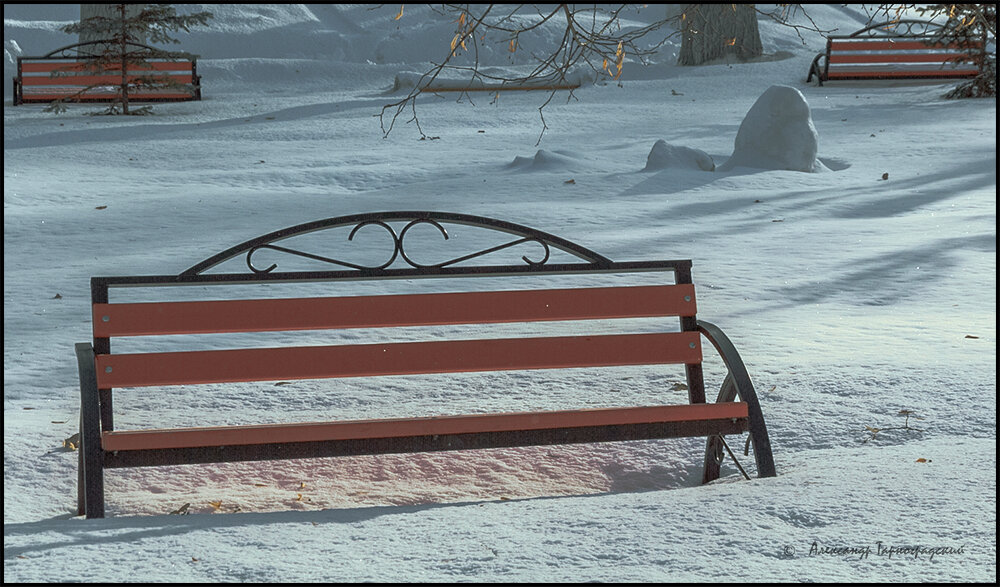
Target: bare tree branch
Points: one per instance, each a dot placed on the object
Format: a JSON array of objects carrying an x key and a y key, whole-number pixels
[{"x": 591, "y": 39}]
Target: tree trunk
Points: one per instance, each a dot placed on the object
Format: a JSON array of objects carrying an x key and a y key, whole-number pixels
[
  {"x": 713, "y": 31},
  {"x": 107, "y": 11},
  {"x": 124, "y": 59}
]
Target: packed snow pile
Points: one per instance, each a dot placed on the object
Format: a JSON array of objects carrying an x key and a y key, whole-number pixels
[
  {"x": 545, "y": 160},
  {"x": 777, "y": 133},
  {"x": 469, "y": 81},
  {"x": 663, "y": 155}
]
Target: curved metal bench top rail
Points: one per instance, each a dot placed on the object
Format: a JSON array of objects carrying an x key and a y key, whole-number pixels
[
  {"x": 591, "y": 260},
  {"x": 900, "y": 28},
  {"x": 76, "y": 47}
]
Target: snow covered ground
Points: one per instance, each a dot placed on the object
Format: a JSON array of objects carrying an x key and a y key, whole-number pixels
[{"x": 851, "y": 297}]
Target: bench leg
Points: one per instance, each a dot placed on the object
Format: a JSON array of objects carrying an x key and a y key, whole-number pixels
[
  {"x": 737, "y": 383},
  {"x": 815, "y": 69},
  {"x": 90, "y": 489},
  {"x": 81, "y": 478},
  {"x": 714, "y": 454}
]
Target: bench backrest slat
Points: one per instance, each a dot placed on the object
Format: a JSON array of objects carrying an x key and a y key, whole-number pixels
[
  {"x": 882, "y": 44},
  {"x": 262, "y": 315},
  {"x": 936, "y": 58},
  {"x": 407, "y": 358},
  {"x": 71, "y": 67},
  {"x": 92, "y": 80}
]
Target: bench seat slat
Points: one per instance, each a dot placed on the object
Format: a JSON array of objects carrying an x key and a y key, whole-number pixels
[
  {"x": 904, "y": 73},
  {"x": 944, "y": 69},
  {"x": 407, "y": 427},
  {"x": 152, "y": 318},
  {"x": 407, "y": 358},
  {"x": 92, "y": 96}
]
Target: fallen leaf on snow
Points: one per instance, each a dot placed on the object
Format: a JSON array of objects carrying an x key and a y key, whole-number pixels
[{"x": 72, "y": 442}]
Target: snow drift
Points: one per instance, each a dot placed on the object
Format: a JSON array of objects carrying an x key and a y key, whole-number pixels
[
  {"x": 777, "y": 133},
  {"x": 663, "y": 155}
]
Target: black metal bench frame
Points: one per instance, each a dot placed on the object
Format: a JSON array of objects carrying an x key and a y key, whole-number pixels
[
  {"x": 902, "y": 31},
  {"x": 79, "y": 52},
  {"x": 96, "y": 417}
]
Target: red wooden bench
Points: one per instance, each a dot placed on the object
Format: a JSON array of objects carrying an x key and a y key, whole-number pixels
[
  {"x": 101, "y": 371},
  {"x": 64, "y": 75},
  {"x": 905, "y": 49}
]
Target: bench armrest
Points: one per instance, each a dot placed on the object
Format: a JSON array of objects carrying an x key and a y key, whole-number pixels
[
  {"x": 815, "y": 69},
  {"x": 90, "y": 491},
  {"x": 738, "y": 383}
]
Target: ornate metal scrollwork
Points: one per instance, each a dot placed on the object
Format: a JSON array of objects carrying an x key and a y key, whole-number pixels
[
  {"x": 900, "y": 28},
  {"x": 395, "y": 252},
  {"x": 444, "y": 233},
  {"x": 94, "y": 49},
  {"x": 398, "y": 242}
]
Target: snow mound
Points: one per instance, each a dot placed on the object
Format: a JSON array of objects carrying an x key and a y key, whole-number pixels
[
  {"x": 663, "y": 155},
  {"x": 544, "y": 161},
  {"x": 450, "y": 81},
  {"x": 777, "y": 133},
  {"x": 239, "y": 19},
  {"x": 11, "y": 51}
]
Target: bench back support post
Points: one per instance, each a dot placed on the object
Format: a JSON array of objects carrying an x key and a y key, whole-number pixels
[
  {"x": 196, "y": 79},
  {"x": 826, "y": 62},
  {"x": 694, "y": 373},
  {"x": 18, "y": 94},
  {"x": 102, "y": 346},
  {"x": 90, "y": 496}
]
